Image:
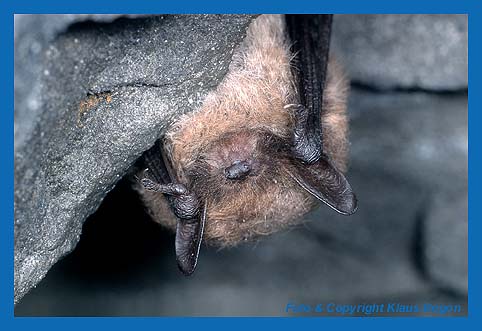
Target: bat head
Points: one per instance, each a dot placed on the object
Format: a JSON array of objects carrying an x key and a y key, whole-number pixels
[{"x": 253, "y": 185}]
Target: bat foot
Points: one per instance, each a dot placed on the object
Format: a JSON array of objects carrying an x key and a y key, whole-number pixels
[
  {"x": 170, "y": 189},
  {"x": 185, "y": 204}
]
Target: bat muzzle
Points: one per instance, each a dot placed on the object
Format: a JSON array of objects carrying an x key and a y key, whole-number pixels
[{"x": 238, "y": 170}]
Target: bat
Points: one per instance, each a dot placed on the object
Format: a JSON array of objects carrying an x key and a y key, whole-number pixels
[{"x": 265, "y": 146}]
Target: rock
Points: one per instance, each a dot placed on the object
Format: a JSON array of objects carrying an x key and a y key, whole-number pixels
[
  {"x": 420, "y": 138},
  {"x": 446, "y": 242},
  {"x": 33, "y": 34},
  {"x": 127, "y": 79},
  {"x": 404, "y": 51}
]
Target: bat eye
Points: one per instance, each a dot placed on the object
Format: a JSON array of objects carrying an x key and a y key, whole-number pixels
[{"x": 238, "y": 170}]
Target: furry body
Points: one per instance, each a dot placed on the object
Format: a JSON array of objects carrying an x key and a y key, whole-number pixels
[{"x": 248, "y": 118}]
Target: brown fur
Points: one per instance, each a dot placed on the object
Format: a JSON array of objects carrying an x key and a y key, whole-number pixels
[{"x": 247, "y": 107}]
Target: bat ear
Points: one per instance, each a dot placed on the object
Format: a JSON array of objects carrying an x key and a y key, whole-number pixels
[
  {"x": 326, "y": 183},
  {"x": 189, "y": 236}
]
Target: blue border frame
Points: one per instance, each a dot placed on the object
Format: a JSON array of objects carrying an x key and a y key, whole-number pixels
[{"x": 10, "y": 7}]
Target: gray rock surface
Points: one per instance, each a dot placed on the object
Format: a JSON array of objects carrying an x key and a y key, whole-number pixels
[
  {"x": 446, "y": 242},
  {"x": 404, "y": 51},
  {"x": 127, "y": 79},
  {"x": 420, "y": 140},
  {"x": 33, "y": 34},
  {"x": 407, "y": 150}
]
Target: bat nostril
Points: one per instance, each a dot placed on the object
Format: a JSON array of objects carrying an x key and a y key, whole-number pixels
[{"x": 238, "y": 170}]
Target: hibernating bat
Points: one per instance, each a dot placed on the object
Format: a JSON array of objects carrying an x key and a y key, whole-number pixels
[{"x": 266, "y": 145}]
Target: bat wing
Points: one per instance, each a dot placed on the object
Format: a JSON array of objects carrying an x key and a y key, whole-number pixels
[
  {"x": 326, "y": 183},
  {"x": 190, "y": 220},
  {"x": 310, "y": 46},
  {"x": 153, "y": 161},
  {"x": 310, "y": 37},
  {"x": 188, "y": 242}
]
